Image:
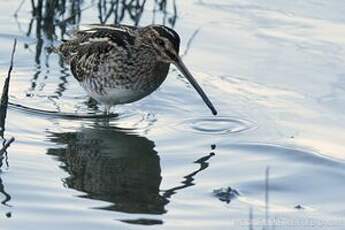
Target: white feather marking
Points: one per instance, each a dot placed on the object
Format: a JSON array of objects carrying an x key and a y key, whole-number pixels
[
  {"x": 95, "y": 40},
  {"x": 168, "y": 31},
  {"x": 99, "y": 39},
  {"x": 93, "y": 28}
]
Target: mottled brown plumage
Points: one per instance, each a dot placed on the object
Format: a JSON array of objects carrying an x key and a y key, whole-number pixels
[{"x": 122, "y": 64}]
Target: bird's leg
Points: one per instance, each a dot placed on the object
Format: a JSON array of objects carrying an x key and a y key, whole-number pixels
[
  {"x": 106, "y": 114},
  {"x": 107, "y": 110}
]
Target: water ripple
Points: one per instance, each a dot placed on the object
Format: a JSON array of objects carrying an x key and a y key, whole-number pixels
[
  {"x": 66, "y": 115},
  {"x": 218, "y": 125}
]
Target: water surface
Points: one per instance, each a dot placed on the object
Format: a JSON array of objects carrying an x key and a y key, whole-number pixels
[{"x": 273, "y": 157}]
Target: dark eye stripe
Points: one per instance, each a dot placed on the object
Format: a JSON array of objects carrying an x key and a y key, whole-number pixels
[
  {"x": 171, "y": 55},
  {"x": 168, "y": 31},
  {"x": 170, "y": 34}
]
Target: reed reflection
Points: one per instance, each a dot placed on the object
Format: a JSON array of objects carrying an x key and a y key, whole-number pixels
[
  {"x": 6, "y": 142},
  {"x": 49, "y": 22},
  {"x": 112, "y": 165},
  {"x": 116, "y": 11},
  {"x": 49, "y": 17}
]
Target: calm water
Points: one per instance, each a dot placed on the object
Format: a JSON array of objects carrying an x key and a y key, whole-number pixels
[{"x": 274, "y": 156}]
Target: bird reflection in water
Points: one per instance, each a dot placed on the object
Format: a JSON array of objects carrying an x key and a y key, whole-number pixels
[
  {"x": 111, "y": 165},
  {"x": 119, "y": 167}
]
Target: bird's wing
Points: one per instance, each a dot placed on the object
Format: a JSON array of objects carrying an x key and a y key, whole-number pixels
[
  {"x": 98, "y": 36},
  {"x": 88, "y": 55},
  {"x": 121, "y": 34},
  {"x": 83, "y": 52}
]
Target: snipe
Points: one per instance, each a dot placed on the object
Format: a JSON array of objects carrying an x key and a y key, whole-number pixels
[{"x": 121, "y": 64}]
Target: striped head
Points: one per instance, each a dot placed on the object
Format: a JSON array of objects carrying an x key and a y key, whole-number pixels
[{"x": 165, "y": 43}]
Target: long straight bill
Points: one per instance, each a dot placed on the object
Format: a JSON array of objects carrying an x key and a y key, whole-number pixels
[{"x": 180, "y": 65}]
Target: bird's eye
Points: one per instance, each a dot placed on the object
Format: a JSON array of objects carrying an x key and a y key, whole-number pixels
[{"x": 160, "y": 42}]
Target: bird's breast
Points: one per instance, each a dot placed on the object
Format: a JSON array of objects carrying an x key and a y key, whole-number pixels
[{"x": 118, "y": 88}]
